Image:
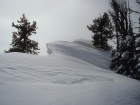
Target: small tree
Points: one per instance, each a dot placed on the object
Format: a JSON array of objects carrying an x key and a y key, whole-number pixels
[
  {"x": 103, "y": 30},
  {"x": 21, "y": 41}
]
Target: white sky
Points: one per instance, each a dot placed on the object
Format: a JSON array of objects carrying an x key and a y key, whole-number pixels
[{"x": 56, "y": 19}]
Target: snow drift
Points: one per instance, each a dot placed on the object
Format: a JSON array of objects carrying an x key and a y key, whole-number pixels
[
  {"x": 75, "y": 73},
  {"x": 82, "y": 50}
]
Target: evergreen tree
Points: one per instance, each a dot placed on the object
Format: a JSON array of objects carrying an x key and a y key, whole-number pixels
[
  {"x": 119, "y": 15},
  {"x": 128, "y": 59},
  {"x": 21, "y": 41},
  {"x": 103, "y": 30},
  {"x": 125, "y": 58},
  {"x": 138, "y": 46},
  {"x": 138, "y": 41}
]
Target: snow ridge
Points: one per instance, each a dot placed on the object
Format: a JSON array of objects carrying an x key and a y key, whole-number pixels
[
  {"x": 75, "y": 73},
  {"x": 82, "y": 50}
]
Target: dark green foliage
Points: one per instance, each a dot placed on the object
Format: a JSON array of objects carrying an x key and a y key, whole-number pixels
[
  {"x": 125, "y": 57},
  {"x": 115, "y": 62},
  {"x": 96, "y": 40},
  {"x": 138, "y": 51},
  {"x": 125, "y": 60},
  {"x": 14, "y": 50},
  {"x": 138, "y": 41},
  {"x": 21, "y": 41},
  {"x": 128, "y": 58},
  {"x": 102, "y": 30},
  {"x": 138, "y": 45}
]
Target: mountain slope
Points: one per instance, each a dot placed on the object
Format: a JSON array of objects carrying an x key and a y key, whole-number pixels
[{"x": 74, "y": 73}]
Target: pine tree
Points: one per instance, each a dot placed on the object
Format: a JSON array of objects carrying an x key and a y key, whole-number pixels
[
  {"x": 125, "y": 58},
  {"x": 138, "y": 45},
  {"x": 103, "y": 30},
  {"x": 21, "y": 41},
  {"x": 128, "y": 58},
  {"x": 119, "y": 14},
  {"x": 138, "y": 41}
]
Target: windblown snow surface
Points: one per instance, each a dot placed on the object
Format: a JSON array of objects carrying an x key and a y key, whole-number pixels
[{"x": 74, "y": 73}]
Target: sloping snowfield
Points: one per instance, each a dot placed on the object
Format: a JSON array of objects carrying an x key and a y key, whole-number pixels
[{"x": 74, "y": 73}]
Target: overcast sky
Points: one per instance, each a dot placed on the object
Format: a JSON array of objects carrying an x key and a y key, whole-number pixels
[{"x": 64, "y": 20}]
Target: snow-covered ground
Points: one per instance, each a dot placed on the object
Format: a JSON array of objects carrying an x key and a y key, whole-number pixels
[{"x": 75, "y": 73}]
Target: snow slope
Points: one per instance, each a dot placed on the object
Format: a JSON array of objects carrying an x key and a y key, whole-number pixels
[{"x": 75, "y": 73}]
